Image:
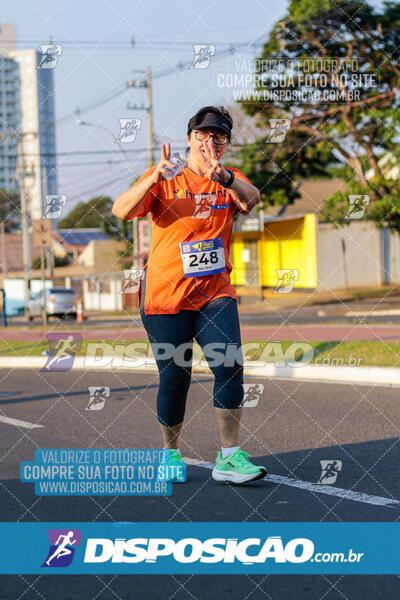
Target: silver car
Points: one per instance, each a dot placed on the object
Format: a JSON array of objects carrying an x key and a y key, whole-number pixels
[{"x": 57, "y": 302}]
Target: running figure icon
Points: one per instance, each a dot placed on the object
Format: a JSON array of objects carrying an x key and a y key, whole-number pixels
[
  {"x": 63, "y": 545},
  {"x": 330, "y": 471},
  {"x": 62, "y": 549},
  {"x": 63, "y": 347}
]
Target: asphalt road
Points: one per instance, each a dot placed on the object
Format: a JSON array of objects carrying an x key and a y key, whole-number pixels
[{"x": 293, "y": 427}]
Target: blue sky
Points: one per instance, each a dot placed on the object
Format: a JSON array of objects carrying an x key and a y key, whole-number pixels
[{"x": 85, "y": 73}]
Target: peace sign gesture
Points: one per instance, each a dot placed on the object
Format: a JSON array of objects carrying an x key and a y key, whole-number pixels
[
  {"x": 215, "y": 170},
  {"x": 160, "y": 171}
]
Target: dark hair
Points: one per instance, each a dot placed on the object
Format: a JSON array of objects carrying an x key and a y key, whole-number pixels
[{"x": 199, "y": 116}]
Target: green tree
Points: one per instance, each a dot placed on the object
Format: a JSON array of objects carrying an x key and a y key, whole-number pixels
[
  {"x": 10, "y": 209},
  {"x": 359, "y": 48},
  {"x": 59, "y": 261},
  {"x": 87, "y": 214},
  {"x": 97, "y": 212}
]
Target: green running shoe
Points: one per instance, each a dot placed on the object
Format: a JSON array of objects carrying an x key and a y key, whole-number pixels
[
  {"x": 236, "y": 468},
  {"x": 172, "y": 467}
]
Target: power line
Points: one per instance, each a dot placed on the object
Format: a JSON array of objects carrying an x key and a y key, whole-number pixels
[
  {"x": 85, "y": 177},
  {"x": 130, "y": 44},
  {"x": 94, "y": 189},
  {"x": 124, "y": 86},
  {"x": 96, "y": 103},
  {"x": 78, "y": 152},
  {"x": 105, "y": 162}
]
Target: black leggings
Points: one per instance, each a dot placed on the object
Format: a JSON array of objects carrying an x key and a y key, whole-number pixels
[{"x": 216, "y": 328}]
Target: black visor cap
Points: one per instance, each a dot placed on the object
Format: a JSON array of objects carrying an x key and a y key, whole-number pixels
[{"x": 214, "y": 120}]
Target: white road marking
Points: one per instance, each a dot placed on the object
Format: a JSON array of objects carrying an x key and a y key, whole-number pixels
[
  {"x": 395, "y": 312},
  {"x": 327, "y": 381},
  {"x": 18, "y": 423},
  {"x": 314, "y": 487},
  {"x": 198, "y": 463}
]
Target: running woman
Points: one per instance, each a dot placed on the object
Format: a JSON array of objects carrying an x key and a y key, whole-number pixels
[{"x": 185, "y": 291}]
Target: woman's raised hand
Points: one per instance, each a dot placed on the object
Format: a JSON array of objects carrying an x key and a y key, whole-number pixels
[
  {"x": 160, "y": 171},
  {"x": 215, "y": 170}
]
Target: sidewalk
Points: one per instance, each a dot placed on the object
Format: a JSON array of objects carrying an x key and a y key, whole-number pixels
[
  {"x": 373, "y": 376},
  {"x": 385, "y": 301},
  {"x": 252, "y": 303},
  {"x": 250, "y": 300}
]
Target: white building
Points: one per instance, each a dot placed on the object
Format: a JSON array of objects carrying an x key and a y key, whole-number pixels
[{"x": 26, "y": 109}]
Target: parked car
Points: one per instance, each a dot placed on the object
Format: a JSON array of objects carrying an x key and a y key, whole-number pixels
[{"x": 57, "y": 302}]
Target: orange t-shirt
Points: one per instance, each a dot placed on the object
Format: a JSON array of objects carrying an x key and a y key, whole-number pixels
[{"x": 188, "y": 208}]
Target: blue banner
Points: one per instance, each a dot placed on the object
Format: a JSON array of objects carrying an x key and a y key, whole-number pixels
[{"x": 200, "y": 548}]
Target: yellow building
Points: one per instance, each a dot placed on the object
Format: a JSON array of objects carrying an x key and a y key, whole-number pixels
[
  {"x": 283, "y": 238},
  {"x": 285, "y": 243}
]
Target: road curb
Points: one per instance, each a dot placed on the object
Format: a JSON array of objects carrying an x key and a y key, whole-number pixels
[{"x": 389, "y": 376}]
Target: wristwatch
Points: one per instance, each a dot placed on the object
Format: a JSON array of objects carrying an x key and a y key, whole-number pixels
[{"x": 228, "y": 184}]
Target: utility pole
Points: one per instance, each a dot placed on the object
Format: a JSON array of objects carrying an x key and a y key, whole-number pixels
[
  {"x": 42, "y": 239},
  {"x": 50, "y": 256},
  {"x": 43, "y": 277},
  {"x": 150, "y": 138},
  {"x": 150, "y": 147},
  {"x": 43, "y": 249},
  {"x": 145, "y": 83},
  {"x": 26, "y": 246}
]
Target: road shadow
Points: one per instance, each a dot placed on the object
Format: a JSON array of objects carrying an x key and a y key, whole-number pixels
[
  {"x": 83, "y": 392},
  {"x": 368, "y": 468}
]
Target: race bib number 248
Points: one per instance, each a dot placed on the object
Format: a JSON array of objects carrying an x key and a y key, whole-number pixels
[{"x": 203, "y": 257}]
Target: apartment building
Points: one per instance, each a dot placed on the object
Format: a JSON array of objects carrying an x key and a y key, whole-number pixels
[{"x": 26, "y": 113}]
